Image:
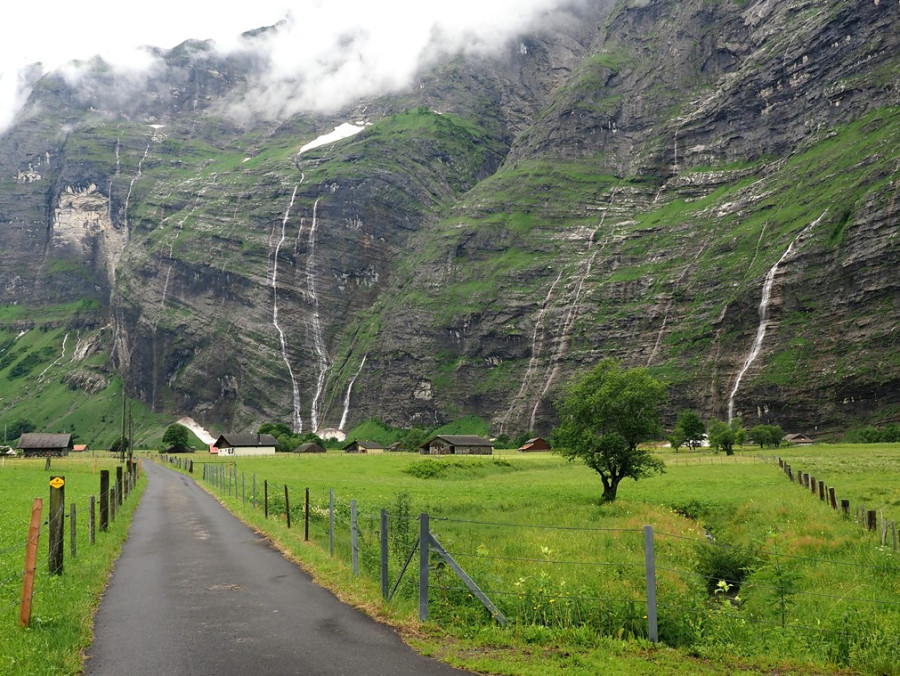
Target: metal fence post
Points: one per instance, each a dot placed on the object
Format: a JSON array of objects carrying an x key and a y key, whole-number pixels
[
  {"x": 354, "y": 546},
  {"x": 92, "y": 511},
  {"x": 306, "y": 517},
  {"x": 243, "y": 490},
  {"x": 424, "y": 549},
  {"x": 650, "y": 564},
  {"x": 331, "y": 521},
  {"x": 254, "y": 491},
  {"x": 384, "y": 554},
  {"x": 72, "y": 530}
]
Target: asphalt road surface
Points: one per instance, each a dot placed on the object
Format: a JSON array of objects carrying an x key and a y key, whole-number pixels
[{"x": 197, "y": 592}]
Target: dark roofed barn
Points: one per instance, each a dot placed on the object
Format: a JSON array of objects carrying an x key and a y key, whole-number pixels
[
  {"x": 310, "y": 447},
  {"x": 45, "y": 445},
  {"x": 457, "y": 444},
  {"x": 357, "y": 446}
]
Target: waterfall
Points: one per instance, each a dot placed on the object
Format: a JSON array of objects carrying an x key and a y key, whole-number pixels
[
  {"x": 297, "y": 421},
  {"x": 347, "y": 396},
  {"x": 323, "y": 360},
  {"x": 665, "y": 321},
  {"x": 536, "y": 349},
  {"x": 136, "y": 176},
  {"x": 59, "y": 359},
  {"x": 568, "y": 326},
  {"x": 764, "y": 303}
]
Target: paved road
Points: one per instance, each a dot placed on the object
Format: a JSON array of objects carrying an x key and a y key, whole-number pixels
[{"x": 197, "y": 592}]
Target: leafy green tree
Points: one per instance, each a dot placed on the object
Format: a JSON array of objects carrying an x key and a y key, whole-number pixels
[
  {"x": 689, "y": 428},
  {"x": 721, "y": 437},
  {"x": 767, "y": 435},
  {"x": 275, "y": 429},
  {"x": 676, "y": 439},
  {"x": 19, "y": 427},
  {"x": 604, "y": 415},
  {"x": 176, "y": 437},
  {"x": 413, "y": 438},
  {"x": 737, "y": 426},
  {"x": 119, "y": 445}
]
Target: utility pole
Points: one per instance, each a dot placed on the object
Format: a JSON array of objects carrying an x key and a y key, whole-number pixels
[{"x": 122, "y": 437}]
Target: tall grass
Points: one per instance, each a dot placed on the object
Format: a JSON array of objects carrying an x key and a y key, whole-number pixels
[
  {"x": 813, "y": 588},
  {"x": 63, "y": 606}
]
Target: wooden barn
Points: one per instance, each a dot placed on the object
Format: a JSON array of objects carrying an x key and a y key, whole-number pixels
[
  {"x": 45, "y": 445},
  {"x": 536, "y": 444},
  {"x": 310, "y": 447},
  {"x": 357, "y": 446},
  {"x": 797, "y": 440},
  {"x": 457, "y": 444},
  {"x": 246, "y": 444}
]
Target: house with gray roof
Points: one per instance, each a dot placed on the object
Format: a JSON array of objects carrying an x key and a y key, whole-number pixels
[{"x": 457, "y": 444}]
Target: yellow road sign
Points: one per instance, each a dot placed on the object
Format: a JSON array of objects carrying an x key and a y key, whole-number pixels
[{"x": 57, "y": 482}]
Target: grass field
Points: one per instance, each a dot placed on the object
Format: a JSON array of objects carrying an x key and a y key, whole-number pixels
[
  {"x": 811, "y": 591},
  {"x": 63, "y": 605}
]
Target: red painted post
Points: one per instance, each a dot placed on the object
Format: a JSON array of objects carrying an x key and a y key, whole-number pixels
[{"x": 31, "y": 547}]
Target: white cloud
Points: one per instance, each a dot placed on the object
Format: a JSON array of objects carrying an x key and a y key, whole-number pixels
[{"x": 325, "y": 54}]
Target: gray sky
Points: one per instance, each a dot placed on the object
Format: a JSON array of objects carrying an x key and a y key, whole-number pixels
[{"x": 329, "y": 52}]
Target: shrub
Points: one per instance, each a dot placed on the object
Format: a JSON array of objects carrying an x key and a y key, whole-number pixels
[{"x": 729, "y": 563}]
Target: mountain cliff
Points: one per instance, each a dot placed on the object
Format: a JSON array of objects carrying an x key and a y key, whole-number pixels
[{"x": 707, "y": 188}]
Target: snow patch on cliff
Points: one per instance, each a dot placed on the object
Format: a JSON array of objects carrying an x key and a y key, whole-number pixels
[{"x": 343, "y": 131}]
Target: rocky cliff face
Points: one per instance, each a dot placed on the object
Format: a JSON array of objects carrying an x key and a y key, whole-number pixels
[{"x": 705, "y": 188}]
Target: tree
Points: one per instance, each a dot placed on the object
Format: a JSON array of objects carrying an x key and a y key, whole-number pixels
[
  {"x": 721, "y": 437},
  {"x": 176, "y": 438},
  {"x": 737, "y": 426},
  {"x": 689, "y": 429},
  {"x": 604, "y": 415},
  {"x": 119, "y": 445},
  {"x": 19, "y": 427},
  {"x": 767, "y": 435}
]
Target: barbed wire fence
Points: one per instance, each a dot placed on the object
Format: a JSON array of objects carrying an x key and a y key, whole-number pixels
[{"x": 619, "y": 582}]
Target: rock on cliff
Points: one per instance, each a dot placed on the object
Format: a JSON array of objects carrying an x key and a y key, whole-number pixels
[{"x": 708, "y": 189}]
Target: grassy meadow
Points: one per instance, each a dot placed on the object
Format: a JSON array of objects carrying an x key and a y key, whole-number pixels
[
  {"x": 754, "y": 574},
  {"x": 63, "y": 605}
]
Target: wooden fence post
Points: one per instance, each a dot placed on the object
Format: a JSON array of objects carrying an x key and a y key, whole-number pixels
[
  {"x": 833, "y": 498},
  {"x": 119, "y": 485},
  {"x": 872, "y": 520},
  {"x": 287, "y": 506},
  {"x": 57, "y": 524},
  {"x": 31, "y": 547},
  {"x": 845, "y": 507},
  {"x": 104, "y": 499}
]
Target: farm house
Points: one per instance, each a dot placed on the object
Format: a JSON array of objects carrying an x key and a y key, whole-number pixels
[
  {"x": 246, "y": 444},
  {"x": 457, "y": 444}
]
